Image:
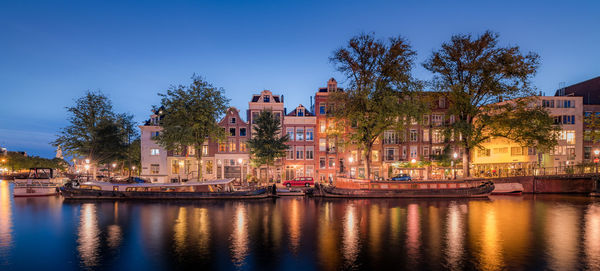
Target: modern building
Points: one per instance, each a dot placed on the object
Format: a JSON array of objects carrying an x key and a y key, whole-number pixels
[
  {"x": 589, "y": 90},
  {"x": 500, "y": 155}
]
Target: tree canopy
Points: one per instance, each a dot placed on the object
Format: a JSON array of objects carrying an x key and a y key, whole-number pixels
[
  {"x": 476, "y": 74},
  {"x": 380, "y": 89},
  {"x": 95, "y": 131},
  {"x": 191, "y": 115},
  {"x": 17, "y": 161},
  {"x": 267, "y": 144}
]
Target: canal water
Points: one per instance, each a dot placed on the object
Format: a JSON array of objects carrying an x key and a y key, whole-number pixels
[{"x": 506, "y": 232}]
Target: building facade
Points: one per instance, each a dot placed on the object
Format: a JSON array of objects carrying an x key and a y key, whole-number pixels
[{"x": 300, "y": 125}]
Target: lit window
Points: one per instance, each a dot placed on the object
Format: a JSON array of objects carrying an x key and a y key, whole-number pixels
[
  {"x": 299, "y": 134},
  {"x": 309, "y": 134},
  {"x": 154, "y": 152}
]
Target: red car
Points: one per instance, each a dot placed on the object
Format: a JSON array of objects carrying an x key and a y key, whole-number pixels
[{"x": 300, "y": 181}]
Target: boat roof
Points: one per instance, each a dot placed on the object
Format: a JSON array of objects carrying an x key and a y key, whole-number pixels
[{"x": 210, "y": 182}]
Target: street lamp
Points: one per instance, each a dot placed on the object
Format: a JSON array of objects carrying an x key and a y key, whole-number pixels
[
  {"x": 350, "y": 159},
  {"x": 241, "y": 170},
  {"x": 455, "y": 155},
  {"x": 596, "y": 153},
  {"x": 87, "y": 171}
]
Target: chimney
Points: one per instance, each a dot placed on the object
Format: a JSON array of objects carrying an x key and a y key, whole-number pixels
[
  {"x": 311, "y": 104},
  {"x": 281, "y": 98},
  {"x": 284, "y": 110}
]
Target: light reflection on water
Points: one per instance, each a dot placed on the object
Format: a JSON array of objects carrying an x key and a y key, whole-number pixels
[
  {"x": 6, "y": 226},
  {"x": 541, "y": 232}
]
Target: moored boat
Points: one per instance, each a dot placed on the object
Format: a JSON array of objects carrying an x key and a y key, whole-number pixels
[
  {"x": 214, "y": 189},
  {"x": 290, "y": 192},
  {"x": 349, "y": 188},
  {"x": 39, "y": 183},
  {"x": 507, "y": 189}
]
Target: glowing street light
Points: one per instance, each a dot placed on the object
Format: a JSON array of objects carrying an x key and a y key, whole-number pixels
[
  {"x": 412, "y": 161},
  {"x": 351, "y": 159},
  {"x": 87, "y": 161},
  {"x": 114, "y": 165},
  {"x": 241, "y": 170},
  {"x": 596, "y": 153},
  {"x": 455, "y": 155}
]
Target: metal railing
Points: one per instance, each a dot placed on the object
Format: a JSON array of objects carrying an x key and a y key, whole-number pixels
[{"x": 544, "y": 171}]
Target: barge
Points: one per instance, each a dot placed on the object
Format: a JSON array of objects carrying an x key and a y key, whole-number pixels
[
  {"x": 351, "y": 188},
  {"x": 214, "y": 189}
]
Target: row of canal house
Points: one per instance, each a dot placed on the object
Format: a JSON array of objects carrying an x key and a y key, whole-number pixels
[{"x": 317, "y": 149}]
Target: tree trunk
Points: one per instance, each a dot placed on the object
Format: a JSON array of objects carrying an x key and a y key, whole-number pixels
[
  {"x": 466, "y": 163},
  {"x": 199, "y": 163},
  {"x": 368, "y": 162}
]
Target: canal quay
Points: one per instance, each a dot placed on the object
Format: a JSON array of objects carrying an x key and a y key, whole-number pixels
[{"x": 528, "y": 232}]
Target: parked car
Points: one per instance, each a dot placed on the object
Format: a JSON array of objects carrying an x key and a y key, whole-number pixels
[
  {"x": 402, "y": 177},
  {"x": 300, "y": 181}
]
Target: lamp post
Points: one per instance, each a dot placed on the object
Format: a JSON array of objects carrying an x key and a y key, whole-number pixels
[
  {"x": 241, "y": 170},
  {"x": 596, "y": 153},
  {"x": 114, "y": 165},
  {"x": 87, "y": 171},
  {"x": 455, "y": 155}
]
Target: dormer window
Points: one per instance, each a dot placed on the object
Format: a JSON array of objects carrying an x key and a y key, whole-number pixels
[
  {"x": 300, "y": 112},
  {"x": 232, "y": 120},
  {"x": 267, "y": 99}
]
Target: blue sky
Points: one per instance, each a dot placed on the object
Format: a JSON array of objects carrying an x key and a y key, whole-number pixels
[{"x": 51, "y": 52}]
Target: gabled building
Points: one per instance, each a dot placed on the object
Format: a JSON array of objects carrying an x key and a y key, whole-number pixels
[
  {"x": 300, "y": 125},
  {"x": 266, "y": 101},
  {"x": 153, "y": 156}
]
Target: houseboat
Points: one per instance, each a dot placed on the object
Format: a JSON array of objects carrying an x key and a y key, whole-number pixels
[
  {"x": 507, "y": 189},
  {"x": 39, "y": 183},
  {"x": 352, "y": 188},
  {"x": 214, "y": 189}
]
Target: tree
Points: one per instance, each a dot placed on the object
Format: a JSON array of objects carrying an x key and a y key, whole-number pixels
[
  {"x": 592, "y": 123},
  {"x": 475, "y": 74},
  {"x": 266, "y": 143},
  {"x": 95, "y": 131},
  {"x": 380, "y": 89},
  {"x": 191, "y": 115}
]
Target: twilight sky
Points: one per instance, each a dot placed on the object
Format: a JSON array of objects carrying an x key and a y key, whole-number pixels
[{"x": 51, "y": 52}]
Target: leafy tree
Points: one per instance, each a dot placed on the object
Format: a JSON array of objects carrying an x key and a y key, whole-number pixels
[
  {"x": 592, "y": 123},
  {"x": 266, "y": 143},
  {"x": 17, "y": 161},
  {"x": 475, "y": 74},
  {"x": 95, "y": 131},
  {"x": 380, "y": 91},
  {"x": 191, "y": 115}
]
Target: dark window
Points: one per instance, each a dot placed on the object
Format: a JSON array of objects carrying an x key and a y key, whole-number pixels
[
  {"x": 232, "y": 131},
  {"x": 232, "y": 120},
  {"x": 322, "y": 108},
  {"x": 242, "y": 131},
  {"x": 267, "y": 99}
]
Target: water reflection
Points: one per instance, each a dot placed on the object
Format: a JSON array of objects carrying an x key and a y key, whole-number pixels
[
  {"x": 563, "y": 236},
  {"x": 6, "y": 238},
  {"x": 510, "y": 233},
  {"x": 454, "y": 236},
  {"x": 88, "y": 235},
  {"x": 413, "y": 232},
  {"x": 294, "y": 226},
  {"x": 350, "y": 241},
  {"x": 592, "y": 237},
  {"x": 239, "y": 235}
]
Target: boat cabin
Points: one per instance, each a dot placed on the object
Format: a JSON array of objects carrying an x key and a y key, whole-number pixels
[{"x": 224, "y": 185}]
